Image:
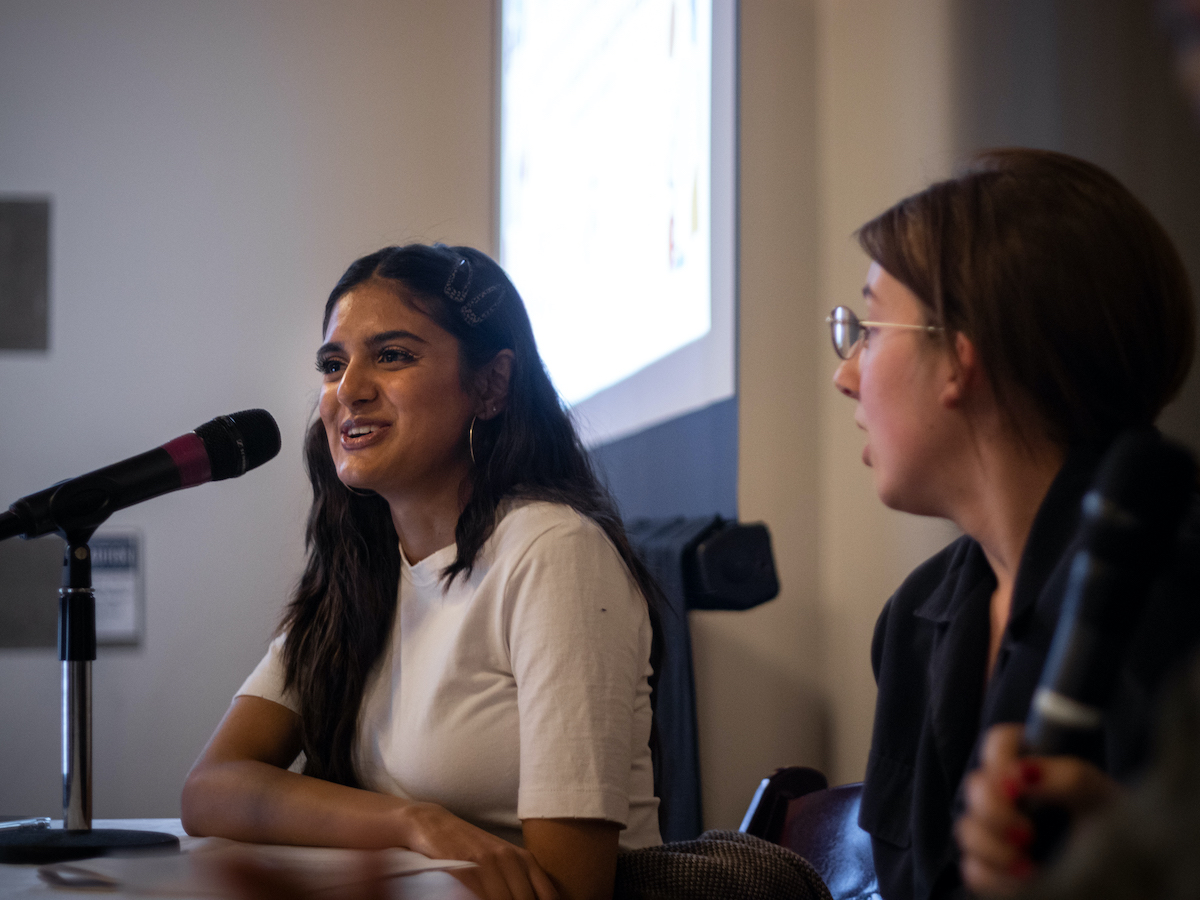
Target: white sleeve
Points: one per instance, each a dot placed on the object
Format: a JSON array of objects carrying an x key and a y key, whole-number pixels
[
  {"x": 267, "y": 679},
  {"x": 579, "y": 640}
]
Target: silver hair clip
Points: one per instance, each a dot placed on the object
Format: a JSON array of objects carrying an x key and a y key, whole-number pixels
[
  {"x": 459, "y": 281},
  {"x": 479, "y": 307},
  {"x": 482, "y": 305}
]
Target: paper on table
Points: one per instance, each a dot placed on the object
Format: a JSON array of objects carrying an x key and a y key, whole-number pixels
[{"x": 191, "y": 874}]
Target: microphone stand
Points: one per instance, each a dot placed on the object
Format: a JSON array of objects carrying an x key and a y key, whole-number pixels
[{"x": 77, "y": 648}]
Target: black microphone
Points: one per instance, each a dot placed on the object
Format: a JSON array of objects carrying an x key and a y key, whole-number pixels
[
  {"x": 226, "y": 447},
  {"x": 1131, "y": 515}
]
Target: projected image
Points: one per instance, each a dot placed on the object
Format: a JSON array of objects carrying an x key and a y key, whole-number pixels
[{"x": 606, "y": 180}]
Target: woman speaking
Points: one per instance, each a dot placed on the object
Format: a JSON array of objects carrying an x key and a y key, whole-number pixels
[{"x": 465, "y": 663}]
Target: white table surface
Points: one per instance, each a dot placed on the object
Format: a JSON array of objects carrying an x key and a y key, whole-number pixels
[{"x": 22, "y": 881}]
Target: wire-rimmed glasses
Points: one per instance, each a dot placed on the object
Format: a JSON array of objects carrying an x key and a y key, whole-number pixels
[{"x": 847, "y": 330}]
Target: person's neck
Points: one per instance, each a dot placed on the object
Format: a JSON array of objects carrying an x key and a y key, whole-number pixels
[
  {"x": 1010, "y": 478},
  {"x": 425, "y": 520}
]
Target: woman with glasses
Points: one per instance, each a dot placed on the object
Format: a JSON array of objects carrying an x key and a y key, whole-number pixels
[{"x": 1017, "y": 319}]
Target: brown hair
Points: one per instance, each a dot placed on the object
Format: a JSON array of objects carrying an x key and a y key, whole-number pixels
[{"x": 1071, "y": 292}]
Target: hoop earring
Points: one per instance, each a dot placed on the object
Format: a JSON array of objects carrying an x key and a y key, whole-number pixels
[{"x": 471, "y": 440}]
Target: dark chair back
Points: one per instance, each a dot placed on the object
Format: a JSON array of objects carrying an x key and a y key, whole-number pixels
[{"x": 795, "y": 809}]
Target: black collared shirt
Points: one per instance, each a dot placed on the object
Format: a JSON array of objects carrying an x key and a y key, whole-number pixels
[{"x": 934, "y": 701}]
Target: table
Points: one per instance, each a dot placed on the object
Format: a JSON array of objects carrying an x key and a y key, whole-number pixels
[{"x": 22, "y": 881}]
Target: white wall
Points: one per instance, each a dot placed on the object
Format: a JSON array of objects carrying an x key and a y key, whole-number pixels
[
  {"x": 214, "y": 166},
  {"x": 885, "y": 132},
  {"x": 844, "y": 109},
  {"x": 760, "y": 695}
]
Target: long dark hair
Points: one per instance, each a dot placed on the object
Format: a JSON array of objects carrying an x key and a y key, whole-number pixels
[
  {"x": 1073, "y": 294},
  {"x": 341, "y": 614}
]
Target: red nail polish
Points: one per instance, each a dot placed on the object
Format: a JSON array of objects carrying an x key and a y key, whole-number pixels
[
  {"x": 1011, "y": 788},
  {"x": 1031, "y": 772}
]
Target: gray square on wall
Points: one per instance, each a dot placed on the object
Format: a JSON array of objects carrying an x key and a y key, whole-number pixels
[
  {"x": 24, "y": 274},
  {"x": 30, "y": 573}
]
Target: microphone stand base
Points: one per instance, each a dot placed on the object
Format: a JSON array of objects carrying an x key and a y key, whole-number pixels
[{"x": 59, "y": 845}]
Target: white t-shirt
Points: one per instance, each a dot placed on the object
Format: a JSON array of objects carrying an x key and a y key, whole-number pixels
[{"x": 519, "y": 693}]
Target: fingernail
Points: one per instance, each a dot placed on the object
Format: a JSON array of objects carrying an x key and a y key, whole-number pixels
[
  {"x": 1031, "y": 772},
  {"x": 1021, "y": 868},
  {"x": 1012, "y": 788},
  {"x": 1018, "y": 836}
]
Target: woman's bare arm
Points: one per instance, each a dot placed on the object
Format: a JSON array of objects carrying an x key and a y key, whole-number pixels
[
  {"x": 240, "y": 788},
  {"x": 579, "y": 855}
]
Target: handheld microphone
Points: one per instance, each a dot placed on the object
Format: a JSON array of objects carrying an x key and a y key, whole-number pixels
[
  {"x": 1130, "y": 518},
  {"x": 226, "y": 447}
]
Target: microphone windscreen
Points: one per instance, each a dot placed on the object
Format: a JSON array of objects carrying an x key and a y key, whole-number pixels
[
  {"x": 239, "y": 442},
  {"x": 1144, "y": 477},
  {"x": 1141, "y": 492}
]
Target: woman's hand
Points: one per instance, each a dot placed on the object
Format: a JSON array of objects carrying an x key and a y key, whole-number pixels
[
  {"x": 506, "y": 871},
  {"x": 993, "y": 834}
]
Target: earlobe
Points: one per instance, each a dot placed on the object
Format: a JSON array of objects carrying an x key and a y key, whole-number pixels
[
  {"x": 964, "y": 372},
  {"x": 491, "y": 385}
]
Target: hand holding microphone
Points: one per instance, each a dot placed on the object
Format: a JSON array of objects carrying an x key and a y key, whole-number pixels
[
  {"x": 225, "y": 447},
  {"x": 1032, "y": 780},
  {"x": 996, "y": 833}
]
